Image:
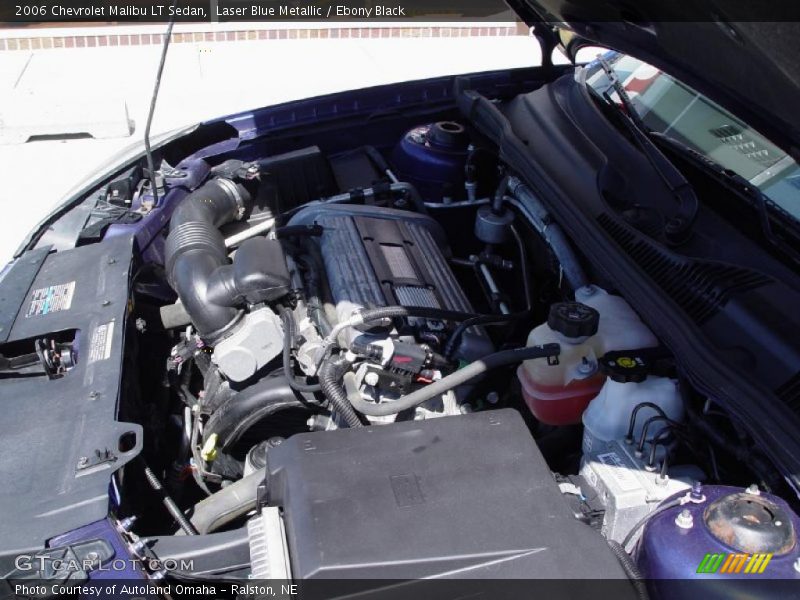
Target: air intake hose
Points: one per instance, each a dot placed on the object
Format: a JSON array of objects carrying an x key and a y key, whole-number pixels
[
  {"x": 195, "y": 249},
  {"x": 258, "y": 401}
]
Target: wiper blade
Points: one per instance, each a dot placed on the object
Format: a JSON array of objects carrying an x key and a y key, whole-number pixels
[{"x": 678, "y": 228}]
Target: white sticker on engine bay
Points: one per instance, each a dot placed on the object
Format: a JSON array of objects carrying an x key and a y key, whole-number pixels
[
  {"x": 100, "y": 346},
  {"x": 51, "y": 299},
  {"x": 625, "y": 478}
]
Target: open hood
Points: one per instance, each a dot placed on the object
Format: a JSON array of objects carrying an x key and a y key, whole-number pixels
[{"x": 725, "y": 49}]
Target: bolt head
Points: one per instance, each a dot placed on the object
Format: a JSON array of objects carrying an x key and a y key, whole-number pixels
[
  {"x": 371, "y": 378},
  {"x": 684, "y": 520},
  {"x": 797, "y": 565},
  {"x": 753, "y": 489}
]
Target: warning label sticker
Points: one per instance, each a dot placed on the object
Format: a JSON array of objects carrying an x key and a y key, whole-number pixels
[
  {"x": 100, "y": 346},
  {"x": 51, "y": 299}
]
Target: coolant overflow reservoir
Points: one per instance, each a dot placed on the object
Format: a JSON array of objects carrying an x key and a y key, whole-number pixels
[
  {"x": 558, "y": 394},
  {"x": 596, "y": 324}
]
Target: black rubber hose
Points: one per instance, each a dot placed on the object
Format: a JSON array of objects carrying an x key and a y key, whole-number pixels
[
  {"x": 424, "y": 312},
  {"x": 527, "y": 284},
  {"x": 330, "y": 376},
  {"x": 630, "y": 568},
  {"x": 288, "y": 341},
  {"x": 244, "y": 409},
  {"x": 377, "y": 158},
  {"x": 195, "y": 249},
  {"x": 455, "y": 337},
  {"x": 460, "y": 377},
  {"x": 169, "y": 503}
]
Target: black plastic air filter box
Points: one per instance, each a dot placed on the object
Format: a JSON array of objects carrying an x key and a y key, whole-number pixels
[{"x": 461, "y": 497}]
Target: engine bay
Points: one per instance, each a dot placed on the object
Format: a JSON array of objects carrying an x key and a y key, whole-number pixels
[{"x": 389, "y": 361}]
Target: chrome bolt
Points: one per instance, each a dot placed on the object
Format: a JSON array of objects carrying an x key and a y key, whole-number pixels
[
  {"x": 697, "y": 491},
  {"x": 753, "y": 489},
  {"x": 797, "y": 565},
  {"x": 127, "y": 523},
  {"x": 684, "y": 520},
  {"x": 371, "y": 378},
  {"x": 92, "y": 556}
]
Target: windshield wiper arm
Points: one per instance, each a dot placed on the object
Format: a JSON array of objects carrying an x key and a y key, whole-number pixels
[
  {"x": 761, "y": 202},
  {"x": 678, "y": 227}
]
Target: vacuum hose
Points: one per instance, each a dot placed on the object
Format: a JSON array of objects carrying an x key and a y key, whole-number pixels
[{"x": 195, "y": 249}]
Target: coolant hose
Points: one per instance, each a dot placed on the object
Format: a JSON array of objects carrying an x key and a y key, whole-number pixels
[
  {"x": 330, "y": 375},
  {"x": 195, "y": 249},
  {"x": 525, "y": 200},
  {"x": 244, "y": 409},
  {"x": 460, "y": 377},
  {"x": 227, "y": 504}
]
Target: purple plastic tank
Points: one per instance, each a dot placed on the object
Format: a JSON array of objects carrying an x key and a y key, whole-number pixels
[
  {"x": 433, "y": 157},
  {"x": 727, "y": 543}
]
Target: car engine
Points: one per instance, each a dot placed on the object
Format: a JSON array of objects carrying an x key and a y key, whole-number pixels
[{"x": 390, "y": 362}]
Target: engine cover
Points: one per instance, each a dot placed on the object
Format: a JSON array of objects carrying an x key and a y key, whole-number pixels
[
  {"x": 385, "y": 257},
  {"x": 464, "y": 496}
]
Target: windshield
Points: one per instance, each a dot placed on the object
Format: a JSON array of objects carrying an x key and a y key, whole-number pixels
[{"x": 671, "y": 108}]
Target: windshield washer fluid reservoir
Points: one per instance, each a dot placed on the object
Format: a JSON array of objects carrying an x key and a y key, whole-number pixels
[{"x": 597, "y": 323}]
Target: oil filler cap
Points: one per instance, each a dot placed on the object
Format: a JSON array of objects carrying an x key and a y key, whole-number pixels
[
  {"x": 750, "y": 523},
  {"x": 573, "y": 319}
]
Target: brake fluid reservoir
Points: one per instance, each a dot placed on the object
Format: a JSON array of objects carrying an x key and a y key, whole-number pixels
[
  {"x": 558, "y": 394},
  {"x": 608, "y": 416}
]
